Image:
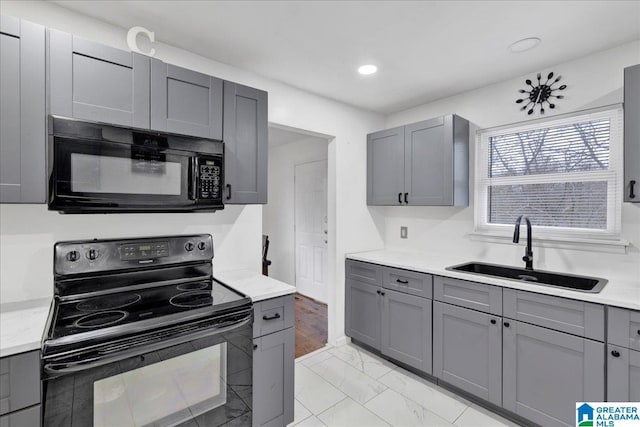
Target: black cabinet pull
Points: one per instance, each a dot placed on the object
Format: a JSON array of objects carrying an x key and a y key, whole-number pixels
[
  {"x": 506, "y": 324},
  {"x": 632, "y": 184},
  {"x": 228, "y": 191},
  {"x": 638, "y": 331},
  {"x": 400, "y": 198},
  {"x": 615, "y": 353},
  {"x": 493, "y": 321},
  {"x": 405, "y": 198},
  {"x": 382, "y": 293},
  {"x": 255, "y": 346},
  {"x": 378, "y": 292},
  {"x": 275, "y": 316},
  {"x": 404, "y": 282}
]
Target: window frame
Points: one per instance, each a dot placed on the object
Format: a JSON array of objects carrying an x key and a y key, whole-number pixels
[{"x": 613, "y": 176}]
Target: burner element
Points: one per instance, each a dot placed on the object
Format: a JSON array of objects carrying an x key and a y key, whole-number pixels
[
  {"x": 101, "y": 319},
  {"x": 192, "y": 299},
  {"x": 108, "y": 302},
  {"x": 192, "y": 286}
]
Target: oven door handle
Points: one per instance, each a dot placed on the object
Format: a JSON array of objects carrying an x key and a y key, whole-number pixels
[{"x": 57, "y": 368}]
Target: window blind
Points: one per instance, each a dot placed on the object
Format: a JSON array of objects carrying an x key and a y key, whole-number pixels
[{"x": 564, "y": 173}]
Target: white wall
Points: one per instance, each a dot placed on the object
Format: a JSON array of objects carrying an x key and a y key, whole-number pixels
[
  {"x": 592, "y": 81},
  {"x": 26, "y": 267},
  {"x": 278, "y": 215}
]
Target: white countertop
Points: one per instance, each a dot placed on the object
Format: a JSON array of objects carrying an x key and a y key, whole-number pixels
[
  {"x": 22, "y": 325},
  {"x": 254, "y": 285},
  {"x": 617, "y": 292}
]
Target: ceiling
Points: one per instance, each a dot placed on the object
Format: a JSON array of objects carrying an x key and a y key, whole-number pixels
[{"x": 424, "y": 50}]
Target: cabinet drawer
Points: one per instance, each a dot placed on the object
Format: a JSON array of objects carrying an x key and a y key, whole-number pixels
[
  {"x": 19, "y": 381},
  {"x": 574, "y": 317},
  {"x": 624, "y": 328},
  {"x": 476, "y": 296},
  {"x": 408, "y": 282},
  {"x": 364, "y": 272},
  {"x": 272, "y": 315},
  {"x": 26, "y": 418}
]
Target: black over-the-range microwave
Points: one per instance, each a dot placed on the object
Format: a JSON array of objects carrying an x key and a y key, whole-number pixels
[{"x": 100, "y": 168}]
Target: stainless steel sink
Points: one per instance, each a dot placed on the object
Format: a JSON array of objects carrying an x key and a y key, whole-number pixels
[{"x": 538, "y": 277}]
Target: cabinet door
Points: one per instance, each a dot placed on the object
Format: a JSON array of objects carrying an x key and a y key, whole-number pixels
[
  {"x": 406, "y": 329},
  {"x": 632, "y": 132},
  {"x": 185, "y": 101},
  {"x": 362, "y": 312},
  {"x": 95, "y": 82},
  {"x": 19, "y": 381},
  {"x": 22, "y": 112},
  {"x": 467, "y": 350},
  {"x": 273, "y": 371},
  {"x": 385, "y": 167},
  {"x": 546, "y": 372},
  {"x": 29, "y": 417},
  {"x": 245, "y": 144},
  {"x": 623, "y": 374}
]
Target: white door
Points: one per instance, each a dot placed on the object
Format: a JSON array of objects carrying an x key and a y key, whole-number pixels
[{"x": 311, "y": 229}]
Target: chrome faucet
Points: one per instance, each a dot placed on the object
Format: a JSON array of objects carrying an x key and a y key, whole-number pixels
[{"x": 528, "y": 253}]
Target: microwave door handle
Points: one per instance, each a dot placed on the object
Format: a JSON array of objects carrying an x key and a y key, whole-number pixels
[
  {"x": 193, "y": 178},
  {"x": 63, "y": 368}
]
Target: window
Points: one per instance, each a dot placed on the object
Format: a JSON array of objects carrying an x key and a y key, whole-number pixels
[{"x": 564, "y": 173}]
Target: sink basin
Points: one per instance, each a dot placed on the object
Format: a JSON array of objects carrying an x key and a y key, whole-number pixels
[{"x": 538, "y": 277}]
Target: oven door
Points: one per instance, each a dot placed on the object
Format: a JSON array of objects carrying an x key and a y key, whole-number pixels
[
  {"x": 105, "y": 176},
  {"x": 203, "y": 378}
]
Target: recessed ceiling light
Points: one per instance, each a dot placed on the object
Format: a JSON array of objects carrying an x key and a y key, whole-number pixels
[
  {"x": 367, "y": 69},
  {"x": 524, "y": 44}
]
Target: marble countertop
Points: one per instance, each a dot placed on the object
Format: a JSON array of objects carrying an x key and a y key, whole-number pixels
[
  {"x": 22, "y": 325},
  {"x": 254, "y": 285},
  {"x": 617, "y": 292}
]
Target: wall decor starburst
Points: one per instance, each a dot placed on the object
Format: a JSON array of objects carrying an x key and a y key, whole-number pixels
[{"x": 540, "y": 94}]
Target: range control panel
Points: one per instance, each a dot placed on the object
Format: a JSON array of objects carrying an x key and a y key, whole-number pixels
[{"x": 107, "y": 255}]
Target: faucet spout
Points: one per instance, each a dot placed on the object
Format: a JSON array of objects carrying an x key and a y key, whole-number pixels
[{"x": 528, "y": 253}]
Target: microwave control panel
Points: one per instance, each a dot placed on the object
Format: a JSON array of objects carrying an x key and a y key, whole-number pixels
[{"x": 209, "y": 180}]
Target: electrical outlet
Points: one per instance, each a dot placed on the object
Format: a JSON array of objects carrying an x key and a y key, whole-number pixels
[{"x": 403, "y": 232}]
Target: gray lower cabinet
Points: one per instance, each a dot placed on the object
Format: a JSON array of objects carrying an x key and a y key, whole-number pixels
[
  {"x": 421, "y": 164},
  {"x": 632, "y": 134},
  {"x": 185, "y": 101},
  {"x": 245, "y": 135},
  {"x": 273, "y": 375},
  {"x": 406, "y": 329},
  {"x": 363, "y": 312},
  {"x": 546, "y": 372},
  {"x": 20, "y": 390},
  {"x": 273, "y": 362},
  {"x": 95, "y": 82},
  {"x": 467, "y": 350},
  {"x": 623, "y": 374},
  {"x": 29, "y": 417},
  {"x": 22, "y": 112}
]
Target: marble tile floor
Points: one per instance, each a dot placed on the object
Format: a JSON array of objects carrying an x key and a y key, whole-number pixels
[{"x": 347, "y": 386}]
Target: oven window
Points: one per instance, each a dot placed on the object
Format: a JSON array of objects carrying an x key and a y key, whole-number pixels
[
  {"x": 165, "y": 393},
  {"x": 120, "y": 175}
]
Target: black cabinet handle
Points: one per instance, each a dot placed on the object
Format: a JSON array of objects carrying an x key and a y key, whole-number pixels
[
  {"x": 638, "y": 331},
  {"x": 615, "y": 353},
  {"x": 405, "y": 198},
  {"x": 400, "y": 198},
  {"x": 228, "y": 191},
  {"x": 275, "y": 316},
  {"x": 255, "y": 346},
  {"x": 404, "y": 282},
  {"x": 506, "y": 324},
  {"x": 493, "y": 321},
  {"x": 378, "y": 292},
  {"x": 382, "y": 293},
  {"x": 632, "y": 184}
]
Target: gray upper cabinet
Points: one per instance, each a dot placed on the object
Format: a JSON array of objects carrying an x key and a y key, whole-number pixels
[
  {"x": 467, "y": 350},
  {"x": 185, "y": 101},
  {"x": 632, "y": 134},
  {"x": 91, "y": 81},
  {"x": 385, "y": 167},
  {"x": 546, "y": 372},
  {"x": 406, "y": 329},
  {"x": 22, "y": 112},
  {"x": 421, "y": 164},
  {"x": 245, "y": 135},
  {"x": 623, "y": 374}
]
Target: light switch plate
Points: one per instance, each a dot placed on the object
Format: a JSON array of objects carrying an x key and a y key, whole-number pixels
[{"x": 403, "y": 232}]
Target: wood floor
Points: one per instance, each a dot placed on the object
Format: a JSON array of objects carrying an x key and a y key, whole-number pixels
[{"x": 311, "y": 325}]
